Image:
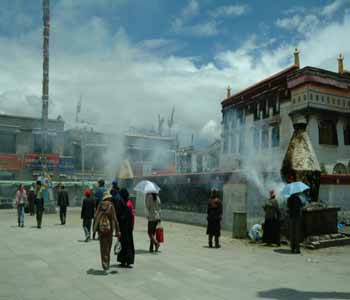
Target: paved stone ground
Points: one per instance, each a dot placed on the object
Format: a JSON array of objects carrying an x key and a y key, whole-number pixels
[{"x": 54, "y": 263}]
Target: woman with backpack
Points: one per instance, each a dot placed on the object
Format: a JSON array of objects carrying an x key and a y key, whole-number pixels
[
  {"x": 21, "y": 201},
  {"x": 106, "y": 223}
]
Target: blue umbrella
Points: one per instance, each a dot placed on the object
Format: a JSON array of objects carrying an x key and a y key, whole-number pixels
[{"x": 294, "y": 188}]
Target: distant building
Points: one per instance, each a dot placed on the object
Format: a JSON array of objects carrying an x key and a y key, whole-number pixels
[
  {"x": 149, "y": 153},
  {"x": 21, "y": 142},
  {"x": 257, "y": 121},
  {"x": 87, "y": 150},
  {"x": 192, "y": 160}
]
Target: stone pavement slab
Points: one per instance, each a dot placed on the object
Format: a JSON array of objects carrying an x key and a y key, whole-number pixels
[{"x": 55, "y": 263}]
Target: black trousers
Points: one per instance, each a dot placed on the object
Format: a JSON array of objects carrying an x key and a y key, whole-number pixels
[
  {"x": 39, "y": 216},
  {"x": 87, "y": 227},
  {"x": 295, "y": 232},
  {"x": 63, "y": 214}
]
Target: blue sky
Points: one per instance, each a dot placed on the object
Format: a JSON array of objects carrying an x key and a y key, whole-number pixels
[{"x": 140, "y": 58}]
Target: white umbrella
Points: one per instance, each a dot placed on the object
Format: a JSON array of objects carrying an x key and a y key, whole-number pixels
[{"x": 146, "y": 186}]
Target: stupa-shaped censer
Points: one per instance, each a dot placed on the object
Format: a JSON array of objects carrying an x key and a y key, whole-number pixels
[{"x": 300, "y": 162}]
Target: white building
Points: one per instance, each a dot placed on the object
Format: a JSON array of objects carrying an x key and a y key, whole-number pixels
[{"x": 257, "y": 122}]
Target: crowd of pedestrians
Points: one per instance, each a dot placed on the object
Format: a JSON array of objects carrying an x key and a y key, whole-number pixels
[{"x": 110, "y": 213}]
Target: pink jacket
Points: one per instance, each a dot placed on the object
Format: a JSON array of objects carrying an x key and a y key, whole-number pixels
[{"x": 20, "y": 194}]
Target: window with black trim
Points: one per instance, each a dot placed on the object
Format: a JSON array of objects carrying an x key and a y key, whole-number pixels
[
  {"x": 347, "y": 134},
  {"x": 275, "y": 136},
  {"x": 328, "y": 132}
]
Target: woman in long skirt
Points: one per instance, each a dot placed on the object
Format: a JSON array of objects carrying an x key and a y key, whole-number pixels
[
  {"x": 214, "y": 216},
  {"x": 126, "y": 256},
  {"x": 271, "y": 226}
]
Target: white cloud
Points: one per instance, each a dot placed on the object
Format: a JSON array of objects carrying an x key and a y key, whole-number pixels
[
  {"x": 332, "y": 8},
  {"x": 230, "y": 10},
  {"x": 303, "y": 24},
  {"x": 184, "y": 23},
  {"x": 189, "y": 11},
  {"x": 202, "y": 29}
]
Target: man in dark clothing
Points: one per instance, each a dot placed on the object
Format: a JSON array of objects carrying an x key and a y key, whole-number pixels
[
  {"x": 87, "y": 213},
  {"x": 63, "y": 202},
  {"x": 31, "y": 200},
  {"x": 214, "y": 216},
  {"x": 294, "y": 210},
  {"x": 115, "y": 192},
  {"x": 39, "y": 203}
]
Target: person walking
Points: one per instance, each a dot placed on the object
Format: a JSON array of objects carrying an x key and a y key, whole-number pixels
[
  {"x": 214, "y": 216},
  {"x": 21, "y": 201},
  {"x": 153, "y": 216},
  {"x": 63, "y": 202},
  {"x": 87, "y": 213},
  {"x": 294, "y": 205},
  {"x": 39, "y": 203},
  {"x": 106, "y": 223},
  {"x": 31, "y": 200},
  {"x": 100, "y": 191},
  {"x": 125, "y": 216},
  {"x": 115, "y": 192},
  {"x": 271, "y": 233}
]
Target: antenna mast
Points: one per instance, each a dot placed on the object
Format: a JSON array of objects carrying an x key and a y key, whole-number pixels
[{"x": 45, "y": 91}]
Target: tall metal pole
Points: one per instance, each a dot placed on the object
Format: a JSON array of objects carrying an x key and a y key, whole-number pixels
[{"x": 45, "y": 92}]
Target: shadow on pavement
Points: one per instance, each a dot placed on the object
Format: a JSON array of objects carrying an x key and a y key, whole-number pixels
[
  {"x": 285, "y": 293},
  {"x": 96, "y": 272},
  {"x": 141, "y": 251},
  {"x": 283, "y": 251}
]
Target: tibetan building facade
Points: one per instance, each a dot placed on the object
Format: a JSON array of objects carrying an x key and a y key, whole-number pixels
[{"x": 258, "y": 121}]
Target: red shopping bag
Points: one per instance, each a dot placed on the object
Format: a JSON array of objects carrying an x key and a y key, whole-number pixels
[{"x": 160, "y": 234}]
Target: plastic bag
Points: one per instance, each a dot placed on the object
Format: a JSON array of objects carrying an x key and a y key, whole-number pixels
[{"x": 117, "y": 247}]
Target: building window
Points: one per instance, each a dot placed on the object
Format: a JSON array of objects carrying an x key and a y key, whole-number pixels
[
  {"x": 327, "y": 133},
  {"x": 8, "y": 142},
  {"x": 275, "y": 142},
  {"x": 322, "y": 99},
  {"x": 256, "y": 137},
  {"x": 265, "y": 138},
  {"x": 38, "y": 143},
  {"x": 316, "y": 97},
  {"x": 233, "y": 143},
  {"x": 263, "y": 109},
  {"x": 225, "y": 146},
  {"x": 304, "y": 97},
  {"x": 347, "y": 134},
  {"x": 241, "y": 141},
  {"x": 311, "y": 96}
]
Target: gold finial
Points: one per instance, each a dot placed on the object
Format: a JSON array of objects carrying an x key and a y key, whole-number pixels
[
  {"x": 296, "y": 58},
  {"x": 228, "y": 92},
  {"x": 340, "y": 64}
]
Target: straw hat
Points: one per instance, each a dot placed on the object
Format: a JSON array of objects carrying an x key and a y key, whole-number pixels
[{"x": 107, "y": 195}]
